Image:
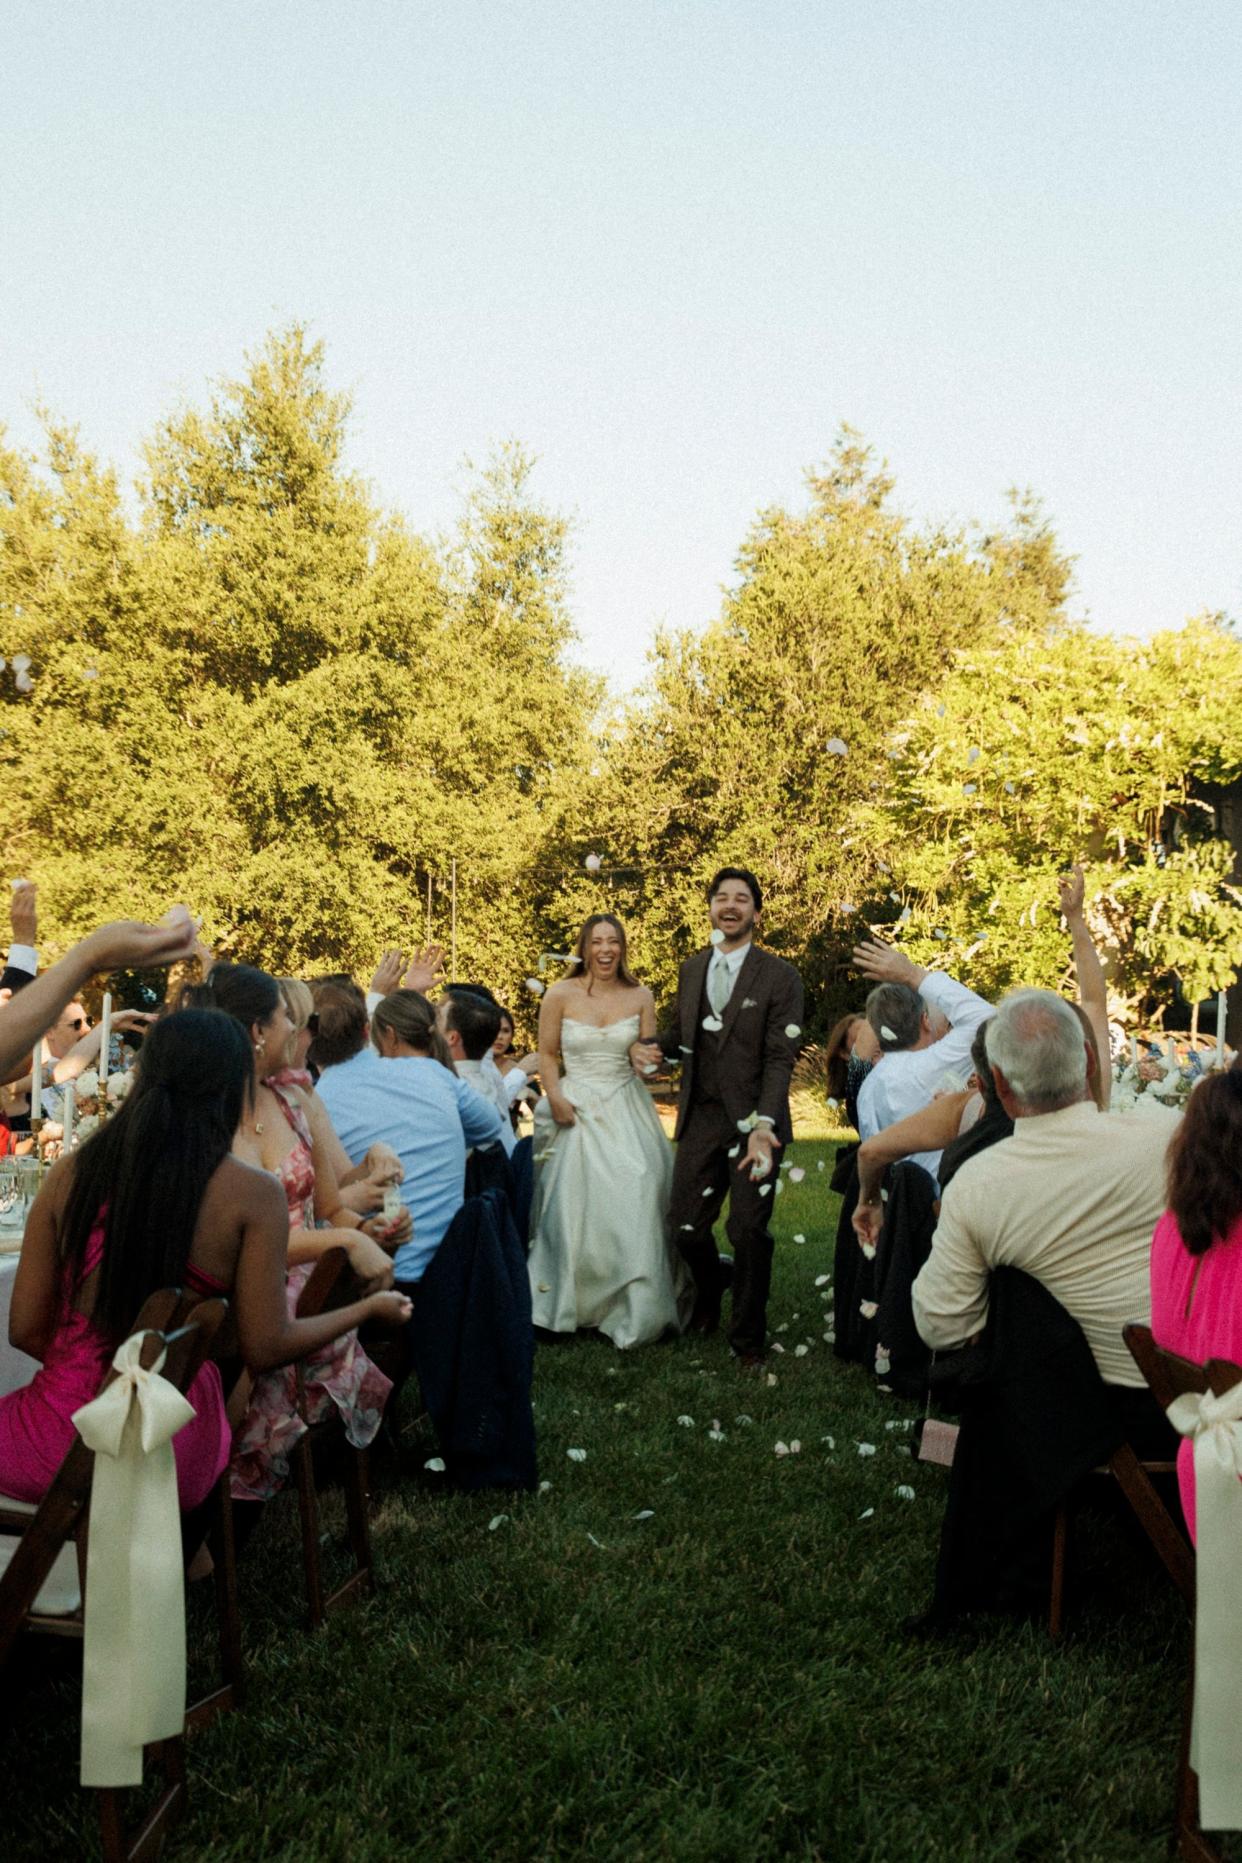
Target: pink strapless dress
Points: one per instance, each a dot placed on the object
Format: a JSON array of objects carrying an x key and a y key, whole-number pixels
[{"x": 36, "y": 1426}]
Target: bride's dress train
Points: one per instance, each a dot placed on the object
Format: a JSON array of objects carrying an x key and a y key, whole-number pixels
[{"x": 601, "y": 1255}]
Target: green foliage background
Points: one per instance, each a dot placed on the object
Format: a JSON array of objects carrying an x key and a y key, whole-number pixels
[{"x": 258, "y": 691}]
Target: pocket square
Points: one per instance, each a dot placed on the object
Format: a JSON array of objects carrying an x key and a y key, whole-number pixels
[{"x": 749, "y": 1002}]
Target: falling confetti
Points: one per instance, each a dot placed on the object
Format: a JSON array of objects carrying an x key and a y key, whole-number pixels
[
  {"x": 712, "y": 1023},
  {"x": 535, "y": 986},
  {"x": 715, "y": 936},
  {"x": 792, "y": 1030},
  {"x": 592, "y": 863}
]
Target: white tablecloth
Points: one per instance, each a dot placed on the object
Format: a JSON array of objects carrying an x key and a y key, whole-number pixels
[{"x": 16, "y": 1369}]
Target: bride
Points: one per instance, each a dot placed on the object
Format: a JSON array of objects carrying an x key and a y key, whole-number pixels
[{"x": 603, "y": 1167}]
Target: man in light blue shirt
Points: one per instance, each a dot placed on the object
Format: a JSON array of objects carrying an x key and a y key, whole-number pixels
[{"x": 429, "y": 1117}]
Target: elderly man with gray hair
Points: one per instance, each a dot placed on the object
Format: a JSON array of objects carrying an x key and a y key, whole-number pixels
[
  {"x": 1071, "y": 1199},
  {"x": 924, "y": 1022}
]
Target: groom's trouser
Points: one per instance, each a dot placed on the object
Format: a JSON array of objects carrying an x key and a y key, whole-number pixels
[{"x": 703, "y": 1175}]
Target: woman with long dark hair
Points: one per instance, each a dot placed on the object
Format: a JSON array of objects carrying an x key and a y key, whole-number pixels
[
  {"x": 155, "y": 1199},
  {"x": 1196, "y": 1252},
  {"x": 276, "y": 1132},
  {"x": 600, "y": 1255}
]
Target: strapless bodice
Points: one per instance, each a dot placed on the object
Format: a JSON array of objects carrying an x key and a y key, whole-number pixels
[{"x": 597, "y": 1058}]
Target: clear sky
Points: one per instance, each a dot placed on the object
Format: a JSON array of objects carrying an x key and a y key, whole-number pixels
[{"x": 670, "y": 247}]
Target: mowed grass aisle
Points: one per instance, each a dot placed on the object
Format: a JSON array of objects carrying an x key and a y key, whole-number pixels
[{"x": 685, "y": 1647}]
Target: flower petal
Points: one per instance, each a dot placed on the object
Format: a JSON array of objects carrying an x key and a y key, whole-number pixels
[
  {"x": 886, "y": 1032},
  {"x": 715, "y": 935},
  {"x": 792, "y": 1030},
  {"x": 434, "y": 1465},
  {"x": 837, "y": 747},
  {"x": 576, "y": 1455},
  {"x": 644, "y": 1513},
  {"x": 904, "y": 1492},
  {"x": 866, "y": 1448},
  {"x": 592, "y": 863},
  {"x": 497, "y": 1520},
  {"x": 687, "y": 1423},
  {"x": 712, "y": 1023}
]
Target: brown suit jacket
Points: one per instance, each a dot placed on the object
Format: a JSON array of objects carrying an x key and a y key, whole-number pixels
[{"x": 755, "y": 1055}]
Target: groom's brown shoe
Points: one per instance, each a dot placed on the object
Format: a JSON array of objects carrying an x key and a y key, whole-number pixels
[
  {"x": 750, "y": 1361},
  {"x": 704, "y": 1319}
]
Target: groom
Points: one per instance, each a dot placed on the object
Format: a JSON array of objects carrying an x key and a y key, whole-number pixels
[{"x": 739, "y": 1016}]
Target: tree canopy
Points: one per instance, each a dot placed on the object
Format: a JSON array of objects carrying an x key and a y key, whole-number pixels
[{"x": 255, "y": 689}]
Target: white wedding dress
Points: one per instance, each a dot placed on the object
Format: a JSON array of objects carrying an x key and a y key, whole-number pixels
[{"x": 600, "y": 1254}]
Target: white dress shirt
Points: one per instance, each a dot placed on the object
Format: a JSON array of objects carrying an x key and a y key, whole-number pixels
[
  {"x": 489, "y": 1084},
  {"x": 905, "y": 1082},
  {"x": 730, "y": 962},
  {"x": 1072, "y": 1198},
  {"x": 23, "y": 957}
]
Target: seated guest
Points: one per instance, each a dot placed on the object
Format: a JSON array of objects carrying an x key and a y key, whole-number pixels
[
  {"x": 470, "y": 1022},
  {"x": 1071, "y": 1198},
  {"x": 361, "y": 1186},
  {"x": 276, "y": 1134},
  {"x": 984, "y": 1120},
  {"x": 853, "y": 1050},
  {"x": 155, "y": 1199},
  {"x": 924, "y": 1023},
  {"x": 1196, "y": 1252},
  {"x": 406, "y": 1096}
]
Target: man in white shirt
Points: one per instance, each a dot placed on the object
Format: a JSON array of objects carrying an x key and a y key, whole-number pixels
[
  {"x": 1072, "y": 1198},
  {"x": 924, "y": 1023},
  {"x": 22, "y": 964},
  {"x": 470, "y": 1023}
]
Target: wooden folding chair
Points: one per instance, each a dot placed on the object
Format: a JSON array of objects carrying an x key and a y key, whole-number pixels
[
  {"x": 61, "y": 1521},
  {"x": 329, "y": 1287},
  {"x": 1133, "y": 1476},
  {"x": 1170, "y": 1376}
]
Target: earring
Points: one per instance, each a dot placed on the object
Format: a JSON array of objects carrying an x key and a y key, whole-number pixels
[{"x": 260, "y": 1046}]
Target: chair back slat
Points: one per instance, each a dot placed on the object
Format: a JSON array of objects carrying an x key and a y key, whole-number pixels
[
  {"x": 325, "y": 1289},
  {"x": 1168, "y": 1375}
]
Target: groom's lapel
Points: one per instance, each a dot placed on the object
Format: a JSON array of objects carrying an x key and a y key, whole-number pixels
[
  {"x": 692, "y": 996},
  {"x": 733, "y": 1008}
]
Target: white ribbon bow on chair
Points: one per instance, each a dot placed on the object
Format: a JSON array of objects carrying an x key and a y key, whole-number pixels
[
  {"x": 1215, "y": 1426},
  {"x": 133, "y": 1659}
]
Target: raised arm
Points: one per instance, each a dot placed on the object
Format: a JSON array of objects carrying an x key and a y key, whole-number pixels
[
  {"x": 1092, "y": 991},
  {"x": 126, "y": 945}
]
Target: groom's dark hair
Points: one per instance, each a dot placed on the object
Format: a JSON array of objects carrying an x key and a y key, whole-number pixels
[
  {"x": 747, "y": 878},
  {"x": 474, "y": 1017}
]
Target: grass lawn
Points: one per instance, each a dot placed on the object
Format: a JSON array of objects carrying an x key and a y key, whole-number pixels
[{"x": 684, "y": 1648}]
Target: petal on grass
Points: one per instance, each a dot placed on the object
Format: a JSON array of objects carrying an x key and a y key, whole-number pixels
[
  {"x": 866, "y": 1448},
  {"x": 434, "y": 1465},
  {"x": 799, "y": 1238},
  {"x": 822, "y": 1280},
  {"x": 837, "y": 747},
  {"x": 800, "y": 1351},
  {"x": 687, "y": 1423},
  {"x": 866, "y": 1513},
  {"x": 576, "y": 1455},
  {"x": 904, "y": 1492},
  {"x": 497, "y": 1520},
  {"x": 796, "y": 1173},
  {"x": 644, "y": 1513}
]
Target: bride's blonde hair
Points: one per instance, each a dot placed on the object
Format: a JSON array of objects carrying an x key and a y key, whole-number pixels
[{"x": 624, "y": 974}]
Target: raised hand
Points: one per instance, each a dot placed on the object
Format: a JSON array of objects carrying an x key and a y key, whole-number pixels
[
  {"x": 387, "y": 976},
  {"x": 23, "y": 916},
  {"x": 128, "y": 944},
  {"x": 426, "y": 969},
  {"x": 883, "y": 963},
  {"x": 1071, "y": 887}
]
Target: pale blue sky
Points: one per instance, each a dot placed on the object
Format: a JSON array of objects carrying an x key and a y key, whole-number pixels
[{"x": 670, "y": 247}]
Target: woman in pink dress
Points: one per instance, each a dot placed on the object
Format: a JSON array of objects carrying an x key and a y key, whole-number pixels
[
  {"x": 154, "y": 1199},
  {"x": 278, "y": 1133},
  {"x": 1196, "y": 1252}
]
